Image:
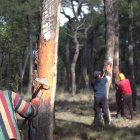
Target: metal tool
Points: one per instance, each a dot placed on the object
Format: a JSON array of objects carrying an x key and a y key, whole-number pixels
[
  {"x": 42, "y": 80},
  {"x": 37, "y": 93}
]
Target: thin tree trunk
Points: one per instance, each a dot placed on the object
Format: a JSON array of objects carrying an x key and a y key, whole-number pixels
[
  {"x": 91, "y": 52},
  {"x": 130, "y": 53},
  {"x": 77, "y": 45},
  {"x": 73, "y": 75},
  {"x": 84, "y": 69},
  {"x": 30, "y": 84},
  {"x": 67, "y": 70},
  {"x": 22, "y": 71}
]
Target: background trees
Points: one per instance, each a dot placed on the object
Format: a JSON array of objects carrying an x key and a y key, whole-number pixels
[
  {"x": 90, "y": 36},
  {"x": 19, "y": 28}
]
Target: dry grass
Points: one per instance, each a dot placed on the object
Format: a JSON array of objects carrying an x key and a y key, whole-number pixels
[{"x": 75, "y": 115}]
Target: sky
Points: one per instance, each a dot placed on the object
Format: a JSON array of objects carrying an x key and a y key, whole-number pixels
[{"x": 68, "y": 11}]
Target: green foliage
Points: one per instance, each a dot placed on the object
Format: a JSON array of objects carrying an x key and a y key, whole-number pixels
[{"x": 14, "y": 40}]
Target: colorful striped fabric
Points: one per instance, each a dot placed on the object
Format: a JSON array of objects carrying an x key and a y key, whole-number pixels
[{"x": 11, "y": 103}]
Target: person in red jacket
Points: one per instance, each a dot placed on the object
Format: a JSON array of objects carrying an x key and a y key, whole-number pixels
[{"x": 125, "y": 89}]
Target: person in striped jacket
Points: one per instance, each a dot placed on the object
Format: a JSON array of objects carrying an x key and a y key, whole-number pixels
[{"x": 10, "y": 104}]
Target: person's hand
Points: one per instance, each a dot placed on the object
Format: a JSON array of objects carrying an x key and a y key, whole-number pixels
[
  {"x": 39, "y": 95},
  {"x": 36, "y": 101}
]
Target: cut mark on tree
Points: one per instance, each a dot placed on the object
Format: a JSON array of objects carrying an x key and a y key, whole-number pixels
[{"x": 48, "y": 19}]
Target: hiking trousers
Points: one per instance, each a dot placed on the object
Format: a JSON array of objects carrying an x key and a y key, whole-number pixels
[
  {"x": 119, "y": 103},
  {"x": 127, "y": 103},
  {"x": 101, "y": 103}
]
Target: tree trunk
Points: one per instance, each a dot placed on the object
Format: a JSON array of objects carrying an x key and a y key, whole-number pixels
[
  {"x": 91, "y": 52},
  {"x": 109, "y": 37},
  {"x": 67, "y": 70},
  {"x": 84, "y": 69},
  {"x": 30, "y": 84},
  {"x": 123, "y": 51},
  {"x": 76, "y": 13},
  {"x": 130, "y": 53},
  {"x": 116, "y": 45},
  {"x": 73, "y": 75},
  {"x": 109, "y": 20},
  {"x": 116, "y": 58},
  {"x": 20, "y": 88},
  {"x": 22, "y": 70},
  {"x": 42, "y": 126}
]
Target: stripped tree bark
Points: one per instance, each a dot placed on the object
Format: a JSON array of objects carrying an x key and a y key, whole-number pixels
[
  {"x": 42, "y": 126},
  {"x": 130, "y": 53}
]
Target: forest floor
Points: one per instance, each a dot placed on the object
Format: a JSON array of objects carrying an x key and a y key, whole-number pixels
[{"x": 74, "y": 119}]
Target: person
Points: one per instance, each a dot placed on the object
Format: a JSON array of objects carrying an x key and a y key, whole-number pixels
[
  {"x": 119, "y": 103},
  {"x": 100, "y": 96},
  {"x": 125, "y": 89},
  {"x": 10, "y": 104}
]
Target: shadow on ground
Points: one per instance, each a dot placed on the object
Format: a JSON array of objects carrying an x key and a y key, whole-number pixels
[{"x": 82, "y": 131}]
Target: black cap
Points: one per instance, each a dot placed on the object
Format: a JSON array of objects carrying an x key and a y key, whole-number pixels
[{"x": 96, "y": 73}]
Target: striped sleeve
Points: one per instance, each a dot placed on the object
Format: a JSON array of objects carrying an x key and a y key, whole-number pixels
[{"x": 22, "y": 107}]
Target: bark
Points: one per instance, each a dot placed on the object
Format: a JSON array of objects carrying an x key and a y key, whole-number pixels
[
  {"x": 79, "y": 73},
  {"x": 109, "y": 37},
  {"x": 85, "y": 62},
  {"x": 8, "y": 72},
  {"x": 73, "y": 75},
  {"x": 123, "y": 51},
  {"x": 22, "y": 71},
  {"x": 91, "y": 66},
  {"x": 116, "y": 58},
  {"x": 20, "y": 87},
  {"x": 30, "y": 84},
  {"x": 77, "y": 45},
  {"x": 109, "y": 20},
  {"x": 116, "y": 45},
  {"x": 67, "y": 53},
  {"x": 67, "y": 50},
  {"x": 130, "y": 53},
  {"x": 42, "y": 126},
  {"x": 137, "y": 65}
]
